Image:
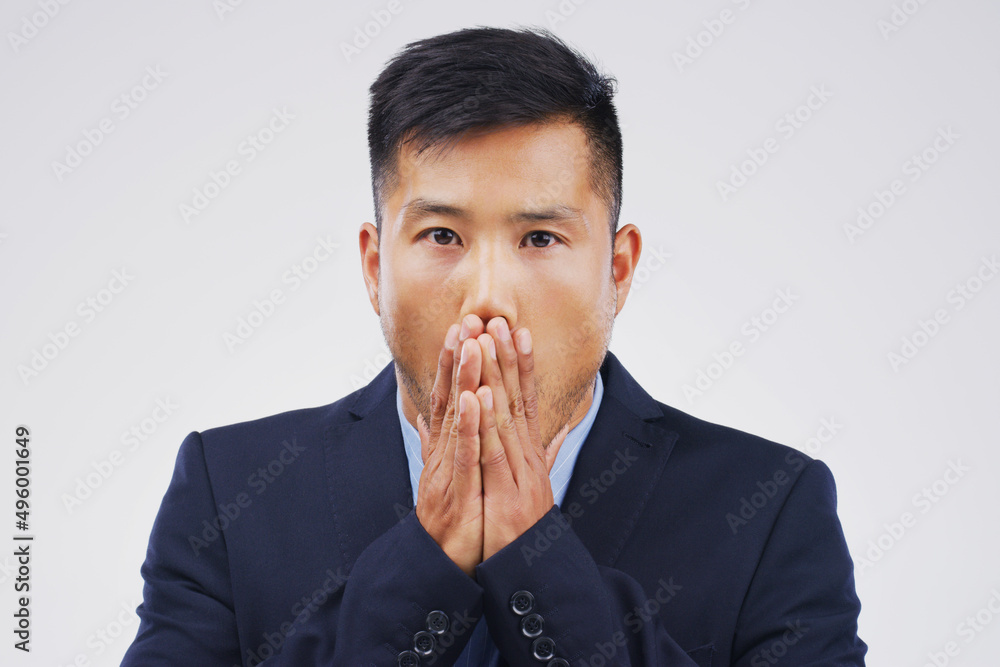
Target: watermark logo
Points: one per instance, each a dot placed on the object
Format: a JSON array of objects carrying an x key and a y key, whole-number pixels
[
  {"x": 791, "y": 122},
  {"x": 121, "y": 108},
  {"x": 915, "y": 167},
  {"x": 701, "y": 41},
  {"x": 752, "y": 329},
  {"x": 88, "y": 310},
  {"x": 247, "y": 151},
  {"x": 924, "y": 500},
  {"x": 363, "y": 35},
  {"x": 927, "y": 329},
  {"x": 970, "y": 628},
  {"x": 767, "y": 489},
  {"x": 264, "y": 309},
  {"x": 899, "y": 17},
  {"x": 259, "y": 481},
  {"x": 104, "y": 468},
  {"x": 32, "y": 24}
]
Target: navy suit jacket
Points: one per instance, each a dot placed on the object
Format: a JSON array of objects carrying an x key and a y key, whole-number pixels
[{"x": 292, "y": 540}]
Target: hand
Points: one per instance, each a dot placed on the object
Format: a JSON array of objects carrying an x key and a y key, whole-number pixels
[
  {"x": 515, "y": 464},
  {"x": 450, "y": 491}
]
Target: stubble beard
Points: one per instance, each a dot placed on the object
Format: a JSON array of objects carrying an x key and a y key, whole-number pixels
[{"x": 559, "y": 396}]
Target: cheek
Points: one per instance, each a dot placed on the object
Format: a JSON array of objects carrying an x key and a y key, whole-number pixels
[
  {"x": 573, "y": 310},
  {"x": 565, "y": 339},
  {"x": 418, "y": 308},
  {"x": 405, "y": 285}
]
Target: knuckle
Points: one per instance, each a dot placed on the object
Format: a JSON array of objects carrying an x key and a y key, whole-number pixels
[
  {"x": 528, "y": 361},
  {"x": 516, "y": 404},
  {"x": 453, "y": 430},
  {"x": 508, "y": 422},
  {"x": 466, "y": 458},
  {"x": 437, "y": 400},
  {"x": 497, "y": 458},
  {"x": 487, "y": 425},
  {"x": 427, "y": 491},
  {"x": 510, "y": 365},
  {"x": 531, "y": 407}
]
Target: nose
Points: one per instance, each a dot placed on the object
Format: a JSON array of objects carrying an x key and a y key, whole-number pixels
[{"x": 490, "y": 277}]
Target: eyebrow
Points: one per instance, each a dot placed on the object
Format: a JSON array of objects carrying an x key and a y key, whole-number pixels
[{"x": 420, "y": 208}]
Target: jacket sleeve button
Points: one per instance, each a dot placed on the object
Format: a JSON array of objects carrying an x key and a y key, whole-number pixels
[
  {"x": 543, "y": 648},
  {"x": 522, "y": 602},
  {"x": 424, "y": 643},
  {"x": 408, "y": 659},
  {"x": 531, "y": 625},
  {"x": 437, "y": 622}
]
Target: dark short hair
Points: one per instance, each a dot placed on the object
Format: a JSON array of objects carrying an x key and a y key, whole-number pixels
[{"x": 436, "y": 89}]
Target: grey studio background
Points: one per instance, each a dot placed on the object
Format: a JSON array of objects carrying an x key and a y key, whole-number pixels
[{"x": 814, "y": 182}]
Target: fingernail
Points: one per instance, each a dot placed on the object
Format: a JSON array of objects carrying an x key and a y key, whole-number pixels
[
  {"x": 488, "y": 398},
  {"x": 451, "y": 340},
  {"x": 461, "y": 405},
  {"x": 503, "y": 331},
  {"x": 465, "y": 354},
  {"x": 465, "y": 330},
  {"x": 526, "y": 342},
  {"x": 493, "y": 350}
]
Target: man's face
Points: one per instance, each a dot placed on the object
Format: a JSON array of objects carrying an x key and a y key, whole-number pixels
[{"x": 503, "y": 224}]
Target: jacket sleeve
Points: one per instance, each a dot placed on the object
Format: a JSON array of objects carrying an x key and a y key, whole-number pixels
[
  {"x": 187, "y": 601},
  {"x": 801, "y": 606},
  {"x": 385, "y": 608},
  {"x": 381, "y": 608},
  {"x": 545, "y": 598}
]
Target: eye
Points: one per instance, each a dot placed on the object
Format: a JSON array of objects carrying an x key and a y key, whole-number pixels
[
  {"x": 443, "y": 236},
  {"x": 440, "y": 235},
  {"x": 539, "y": 239}
]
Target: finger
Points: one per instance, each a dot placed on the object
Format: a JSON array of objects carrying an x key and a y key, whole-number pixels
[
  {"x": 467, "y": 379},
  {"x": 466, "y": 475},
  {"x": 475, "y": 324},
  {"x": 514, "y": 403},
  {"x": 465, "y": 328},
  {"x": 529, "y": 397},
  {"x": 506, "y": 425},
  {"x": 496, "y": 472},
  {"x": 439, "y": 394},
  {"x": 447, "y": 429},
  {"x": 429, "y": 470}
]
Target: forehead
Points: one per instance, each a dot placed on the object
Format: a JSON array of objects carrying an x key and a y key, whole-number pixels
[{"x": 539, "y": 164}]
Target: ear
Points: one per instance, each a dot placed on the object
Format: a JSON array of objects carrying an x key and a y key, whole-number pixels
[
  {"x": 368, "y": 243},
  {"x": 628, "y": 247}
]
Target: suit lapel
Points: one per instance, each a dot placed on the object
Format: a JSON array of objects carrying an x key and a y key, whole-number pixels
[
  {"x": 368, "y": 478},
  {"x": 617, "y": 468}
]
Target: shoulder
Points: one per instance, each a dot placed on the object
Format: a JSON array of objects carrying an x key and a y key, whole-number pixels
[
  {"x": 311, "y": 420},
  {"x": 715, "y": 440},
  {"x": 701, "y": 448},
  {"x": 736, "y": 463},
  {"x": 294, "y": 433}
]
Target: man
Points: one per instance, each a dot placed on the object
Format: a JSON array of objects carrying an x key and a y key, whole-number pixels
[{"x": 503, "y": 492}]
